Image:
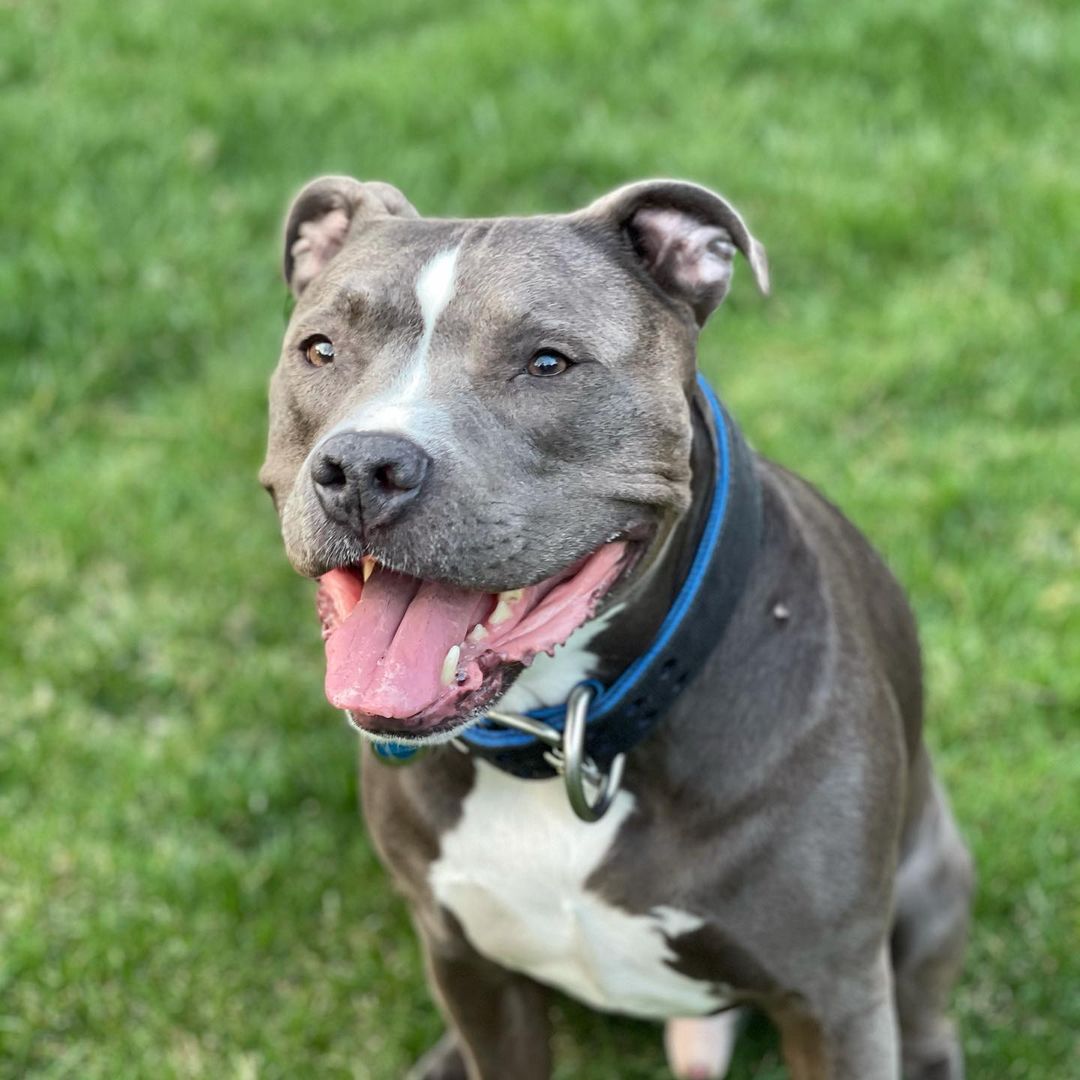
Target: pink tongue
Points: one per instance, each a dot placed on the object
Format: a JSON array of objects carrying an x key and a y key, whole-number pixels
[{"x": 386, "y": 658}]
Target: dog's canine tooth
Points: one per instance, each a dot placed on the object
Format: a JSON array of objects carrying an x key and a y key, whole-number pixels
[
  {"x": 505, "y": 607},
  {"x": 449, "y": 665},
  {"x": 367, "y": 566}
]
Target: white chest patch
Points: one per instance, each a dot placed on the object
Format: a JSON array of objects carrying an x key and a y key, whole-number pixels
[{"x": 513, "y": 872}]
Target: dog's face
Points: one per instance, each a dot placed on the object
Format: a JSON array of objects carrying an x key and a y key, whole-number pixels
[{"x": 476, "y": 427}]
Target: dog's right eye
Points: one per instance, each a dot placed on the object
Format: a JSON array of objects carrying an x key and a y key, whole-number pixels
[
  {"x": 547, "y": 363},
  {"x": 318, "y": 350}
]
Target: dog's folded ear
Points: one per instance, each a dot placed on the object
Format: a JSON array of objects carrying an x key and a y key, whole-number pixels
[
  {"x": 685, "y": 236},
  {"x": 322, "y": 215}
]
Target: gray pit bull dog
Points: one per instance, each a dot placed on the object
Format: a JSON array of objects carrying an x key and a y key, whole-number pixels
[{"x": 488, "y": 442}]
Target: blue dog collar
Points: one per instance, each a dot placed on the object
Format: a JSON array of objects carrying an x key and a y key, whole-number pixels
[{"x": 394, "y": 753}]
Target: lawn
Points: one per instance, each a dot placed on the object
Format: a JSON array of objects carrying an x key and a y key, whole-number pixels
[{"x": 185, "y": 889}]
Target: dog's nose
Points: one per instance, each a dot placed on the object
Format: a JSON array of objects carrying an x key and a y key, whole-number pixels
[{"x": 366, "y": 478}]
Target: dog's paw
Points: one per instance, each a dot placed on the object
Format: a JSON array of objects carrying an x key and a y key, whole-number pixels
[
  {"x": 442, "y": 1062},
  {"x": 937, "y": 1057},
  {"x": 700, "y": 1047}
]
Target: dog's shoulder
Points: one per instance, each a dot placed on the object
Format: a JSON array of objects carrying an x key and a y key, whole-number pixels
[{"x": 862, "y": 589}]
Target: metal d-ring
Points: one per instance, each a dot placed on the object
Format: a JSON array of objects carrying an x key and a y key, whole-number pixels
[
  {"x": 577, "y": 768},
  {"x": 566, "y": 754}
]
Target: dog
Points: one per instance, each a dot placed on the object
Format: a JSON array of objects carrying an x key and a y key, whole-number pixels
[{"x": 656, "y": 704}]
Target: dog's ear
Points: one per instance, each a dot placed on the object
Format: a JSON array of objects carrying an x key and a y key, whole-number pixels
[
  {"x": 321, "y": 216},
  {"x": 685, "y": 236}
]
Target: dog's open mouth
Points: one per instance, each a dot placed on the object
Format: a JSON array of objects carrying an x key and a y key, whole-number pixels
[{"x": 413, "y": 658}]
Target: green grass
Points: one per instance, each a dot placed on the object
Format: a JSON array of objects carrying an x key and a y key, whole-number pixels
[{"x": 185, "y": 889}]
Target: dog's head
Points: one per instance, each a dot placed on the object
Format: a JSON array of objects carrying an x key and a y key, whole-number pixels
[{"x": 477, "y": 427}]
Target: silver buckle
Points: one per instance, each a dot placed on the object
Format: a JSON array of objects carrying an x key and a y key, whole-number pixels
[{"x": 566, "y": 754}]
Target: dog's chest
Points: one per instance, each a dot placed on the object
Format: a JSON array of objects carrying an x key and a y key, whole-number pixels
[{"x": 513, "y": 871}]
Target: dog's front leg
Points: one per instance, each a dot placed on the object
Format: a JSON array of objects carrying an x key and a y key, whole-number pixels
[
  {"x": 850, "y": 1035},
  {"x": 498, "y": 1020}
]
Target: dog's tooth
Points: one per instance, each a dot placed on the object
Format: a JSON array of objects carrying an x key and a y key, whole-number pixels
[
  {"x": 477, "y": 633},
  {"x": 505, "y": 607},
  {"x": 367, "y": 566},
  {"x": 449, "y": 665}
]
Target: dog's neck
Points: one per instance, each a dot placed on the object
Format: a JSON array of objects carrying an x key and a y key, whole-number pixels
[{"x": 605, "y": 646}]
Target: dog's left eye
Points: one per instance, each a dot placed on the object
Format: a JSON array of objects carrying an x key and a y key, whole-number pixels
[
  {"x": 318, "y": 350},
  {"x": 547, "y": 363}
]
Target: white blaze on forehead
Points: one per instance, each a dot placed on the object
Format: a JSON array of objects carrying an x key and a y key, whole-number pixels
[
  {"x": 400, "y": 406},
  {"x": 434, "y": 291}
]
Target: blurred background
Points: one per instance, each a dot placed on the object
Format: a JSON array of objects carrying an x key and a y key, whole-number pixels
[{"x": 185, "y": 888}]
